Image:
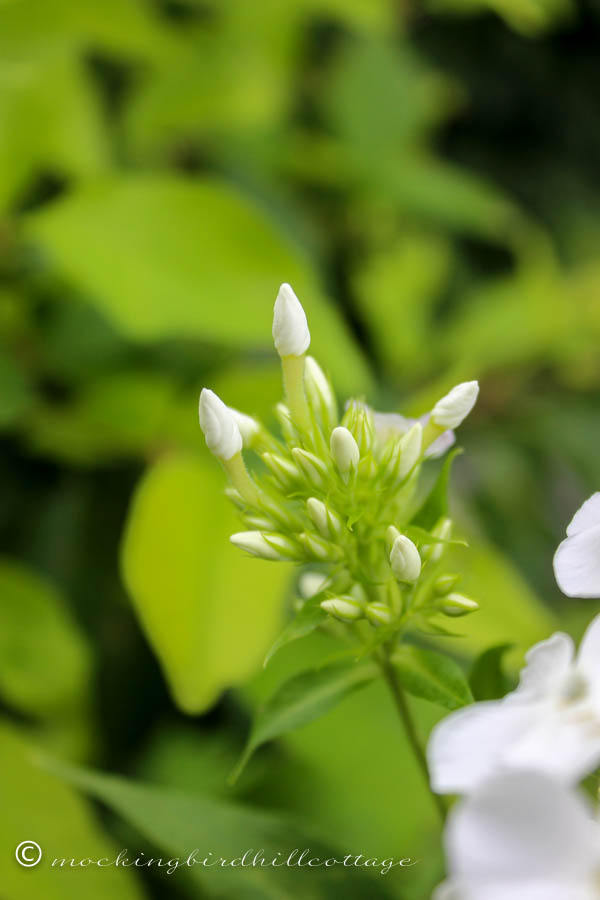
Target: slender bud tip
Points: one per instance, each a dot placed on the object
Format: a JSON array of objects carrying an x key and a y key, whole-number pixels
[
  {"x": 453, "y": 409},
  {"x": 221, "y": 431},
  {"x": 290, "y": 328}
]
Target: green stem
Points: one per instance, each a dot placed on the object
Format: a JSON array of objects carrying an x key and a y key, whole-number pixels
[{"x": 401, "y": 703}]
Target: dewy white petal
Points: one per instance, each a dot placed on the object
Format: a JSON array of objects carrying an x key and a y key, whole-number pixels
[
  {"x": 577, "y": 564},
  {"x": 523, "y": 836},
  {"x": 452, "y": 409},
  {"x": 221, "y": 431},
  {"x": 587, "y": 516},
  {"x": 467, "y": 746},
  {"x": 290, "y": 328}
]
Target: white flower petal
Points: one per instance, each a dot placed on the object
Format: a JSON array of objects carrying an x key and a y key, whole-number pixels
[
  {"x": 547, "y": 663},
  {"x": 524, "y": 827},
  {"x": 446, "y": 440},
  {"x": 587, "y": 516},
  {"x": 577, "y": 564},
  {"x": 588, "y": 658},
  {"x": 562, "y": 742},
  {"x": 468, "y": 745},
  {"x": 513, "y": 890}
]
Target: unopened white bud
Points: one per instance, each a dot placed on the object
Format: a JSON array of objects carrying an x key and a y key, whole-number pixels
[
  {"x": 445, "y": 584},
  {"x": 358, "y": 419},
  {"x": 283, "y": 469},
  {"x": 320, "y": 548},
  {"x": 236, "y": 498},
  {"x": 223, "y": 437},
  {"x": 457, "y": 605},
  {"x": 311, "y": 583},
  {"x": 344, "y": 608},
  {"x": 249, "y": 427},
  {"x": 378, "y": 613},
  {"x": 290, "y": 328},
  {"x": 391, "y": 534},
  {"x": 266, "y": 545},
  {"x": 313, "y": 468},
  {"x": 318, "y": 390},
  {"x": 328, "y": 523},
  {"x": 344, "y": 451},
  {"x": 442, "y": 531},
  {"x": 406, "y": 453},
  {"x": 405, "y": 560},
  {"x": 452, "y": 409}
]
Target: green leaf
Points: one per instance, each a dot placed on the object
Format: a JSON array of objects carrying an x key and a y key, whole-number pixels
[
  {"x": 304, "y": 698},
  {"x": 16, "y": 395},
  {"x": 45, "y": 662},
  {"x": 309, "y": 617},
  {"x": 436, "y": 504},
  {"x": 37, "y": 806},
  {"x": 208, "y": 611},
  {"x": 487, "y": 679},
  {"x": 178, "y": 823},
  {"x": 432, "y": 676},
  {"x": 163, "y": 256}
]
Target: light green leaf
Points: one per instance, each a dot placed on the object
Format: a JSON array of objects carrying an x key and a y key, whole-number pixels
[
  {"x": 164, "y": 256},
  {"x": 432, "y": 676},
  {"x": 39, "y": 807},
  {"x": 436, "y": 503},
  {"x": 303, "y": 699},
  {"x": 178, "y": 823},
  {"x": 45, "y": 663},
  {"x": 15, "y": 391},
  {"x": 208, "y": 611}
]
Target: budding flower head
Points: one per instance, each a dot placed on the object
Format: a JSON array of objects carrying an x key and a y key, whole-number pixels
[
  {"x": 290, "y": 328},
  {"x": 405, "y": 560},
  {"x": 345, "y": 608},
  {"x": 452, "y": 409},
  {"x": 221, "y": 431},
  {"x": 457, "y": 605},
  {"x": 359, "y": 421},
  {"x": 344, "y": 450}
]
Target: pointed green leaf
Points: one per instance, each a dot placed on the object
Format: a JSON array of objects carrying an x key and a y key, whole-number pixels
[
  {"x": 304, "y": 698},
  {"x": 178, "y": 823},
  {"x": 432, "y": 676}
]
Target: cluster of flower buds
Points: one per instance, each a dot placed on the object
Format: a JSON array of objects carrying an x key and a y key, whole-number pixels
[{"x": 335, "y": 491}]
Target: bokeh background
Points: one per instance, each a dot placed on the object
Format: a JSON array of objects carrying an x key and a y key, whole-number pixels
[{"x": 425, "y": 174}]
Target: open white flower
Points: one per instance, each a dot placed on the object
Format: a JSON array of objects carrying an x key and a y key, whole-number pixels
[
  {"x": 550, "y": 723},
  {"x": 577, "y": 560},
  {"x": 522, "y": 836}
]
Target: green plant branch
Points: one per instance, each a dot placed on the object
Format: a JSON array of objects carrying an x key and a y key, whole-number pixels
[{"x": 399, "y": 697}]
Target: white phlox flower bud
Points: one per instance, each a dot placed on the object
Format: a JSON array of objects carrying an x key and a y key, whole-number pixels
[
  {"x": 345, "y": 608},
  {"x": 221, "y": 431},
  {"x": 344, "y": 451},
  {"x": 325, "y": 520},
  {"x": 290, "y": 328},
  {"x": 266, "y": 545},
  {"x": 405, "y": 560}
]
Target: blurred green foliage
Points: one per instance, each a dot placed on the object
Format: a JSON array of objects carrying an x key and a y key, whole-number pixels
[{"x": 424, "y": 174}]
